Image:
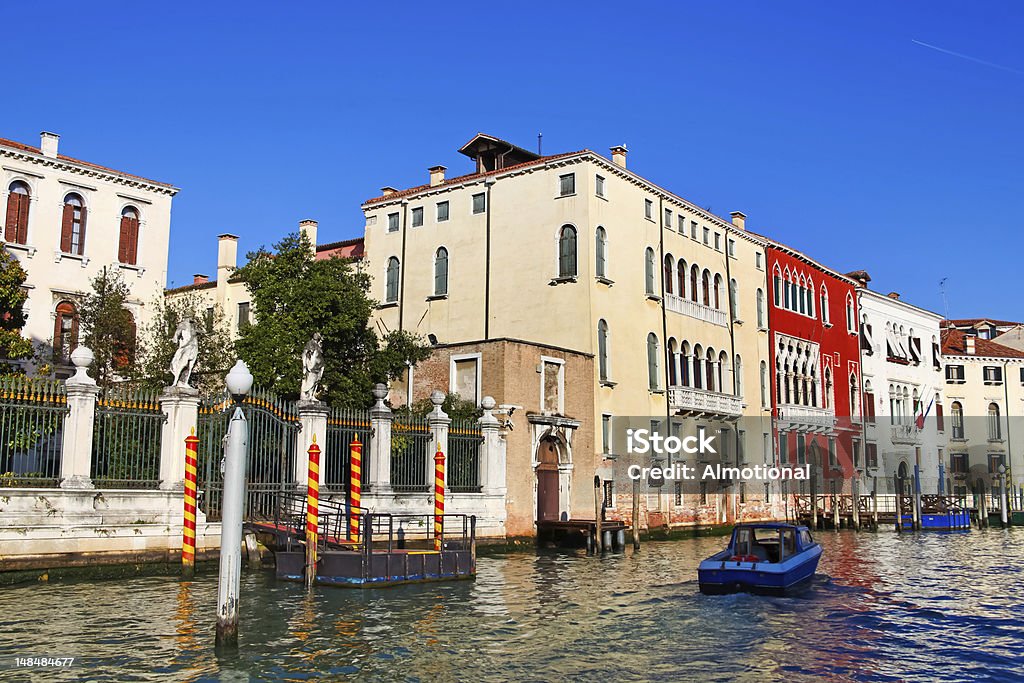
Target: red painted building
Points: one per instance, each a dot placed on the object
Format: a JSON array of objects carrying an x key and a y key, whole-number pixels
[{"x": 816, "y": 383}]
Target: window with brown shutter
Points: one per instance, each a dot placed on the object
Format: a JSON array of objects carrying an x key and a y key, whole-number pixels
[
  {"x": 128, "y": 242},
  {"x": 65, "y": 331},
  {"x": 16, "y": 224}
]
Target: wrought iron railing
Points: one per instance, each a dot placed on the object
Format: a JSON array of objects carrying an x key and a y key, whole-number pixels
[
  {"x": 126, "y": 439},
  {"x": 410, "y": 443},
  {"x": 343, "y": 426},
  {"x": 31, "y": 431},
  {"x": 464, "y": 439}
]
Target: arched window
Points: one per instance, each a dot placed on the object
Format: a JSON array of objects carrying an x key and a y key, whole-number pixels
[
  {"x": 391, "y": 292},
  {"x": 65, "y": 331},
  {"x": 777, "y": 285},
  {"x": 672, "y": 378},
  {"x": 824, "y": 305},
  {"x": 16, "y": 225},
  {"x": 723, "y": 367},
  {"x": 718, "y": 291},
  {"x": 128, "y": 241},
  {"x": 760, "y": 308},
  {"x": 995, "y": 431},
  {"x": 788, "y": 292},
  {"x": 706, "y": 287},
  {"x": 694, "y": 276},
  {"x": 810, "y": 297},
  {"x": 854, "y": 396},
  {"x": 851, "y": 318},
  {"x": 684, "y": 364},
  {"x": 441, "y": 272},
  {"x": 681, "y": 276},
  {"x": 668, "y": 271},
  {"x": 601, "y": 252},
  {"x": 709, "y": 371},
  {"x": 801, "y": 298},
  {"x": 764, "y": 384},
  {"x": 737, "y": 375},
  {"x": 602, "y": 350},
  {"x": 72, "y": 229},
  {"x": 956, "y": 414},
  {"x": 649, "y": 271},
  {"x": 567, "y": 251},
  {"x": 698, "y": 366},
  {"x": 826, "y": 396},
  {"x": 734, "y": 299},
  {"x": 653, "y": 379}
]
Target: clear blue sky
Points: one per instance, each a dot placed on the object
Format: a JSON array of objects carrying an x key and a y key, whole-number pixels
[{"x": 828, "y": 126}]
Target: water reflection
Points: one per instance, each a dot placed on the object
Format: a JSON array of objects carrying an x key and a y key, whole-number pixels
[{"x": 885, "y": 607}]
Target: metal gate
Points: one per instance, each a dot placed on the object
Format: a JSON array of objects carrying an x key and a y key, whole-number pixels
[
  {"x": 270, "y": 470},
  {"x": 343, "y": 425}
]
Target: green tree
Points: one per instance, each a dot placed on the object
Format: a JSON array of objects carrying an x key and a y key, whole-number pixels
[
  {"x": 13, "y": 346},
  {"x": 157, "y": 347},
  {"x": 108, "y": 327},
  {"x": 295, "y": 295}
]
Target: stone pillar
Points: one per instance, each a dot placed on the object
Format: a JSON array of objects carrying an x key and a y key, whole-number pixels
[
  {"x": 312, "y": 423},
  {"x": 181, "y": 406},
  {"x": 379, "y": 470},
  {"x": 492, "y": 451},
  {"x": 76, "y": 451},
  {"x": 439, "y": 422}
]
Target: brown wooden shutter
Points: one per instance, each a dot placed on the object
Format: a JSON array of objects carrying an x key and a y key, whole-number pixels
[
  {"x": 11, "y": 224},
  {"x": 124, "y": 240},
  {"x": 65, "y": 228},
  {"x": 81, "y": 234},
  {"x": 133, "y": 245},
  {"x": 23, "y": 203}
]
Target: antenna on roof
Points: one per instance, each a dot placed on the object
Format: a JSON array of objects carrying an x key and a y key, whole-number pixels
[
  {"x": 539, "y": 137},
  {"x": 945, "y": 304}
]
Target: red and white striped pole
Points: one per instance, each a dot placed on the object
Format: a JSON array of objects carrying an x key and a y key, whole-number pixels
[
  {"x": 312, "y": 512},
  {"x": 188, "y": 532},
  {"x": 438, "y": 498},
  {"x": 355, "y": 481}
]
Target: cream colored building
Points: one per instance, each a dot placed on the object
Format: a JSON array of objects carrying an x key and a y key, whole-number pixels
[
  {"x": 66, "y": 220},
  {"x": 576, "y": 254},
  {"x": 984, "y": 389}
]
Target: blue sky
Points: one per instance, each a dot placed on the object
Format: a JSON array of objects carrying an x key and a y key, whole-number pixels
[{"x": 824, "y": 122}]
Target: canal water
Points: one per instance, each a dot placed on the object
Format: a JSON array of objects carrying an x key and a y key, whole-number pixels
[{"x": 885, "y": 607}]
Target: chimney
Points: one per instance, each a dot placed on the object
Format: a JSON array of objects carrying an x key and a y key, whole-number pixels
[
  {"x": 619, "y": 155},
  {"x": 227, "y": 255},
  {"x": 200, "y": 279},
  {"x": 739, "y": 219},
  {"x": 48, "y": 144},
  {"x": 436, "y": 175},
  {"x": 308, "y": 228},
  {"x": 969, "y": 344},
  {"x": 387, "y": 191},
  {"x": 895, "y": 296}
]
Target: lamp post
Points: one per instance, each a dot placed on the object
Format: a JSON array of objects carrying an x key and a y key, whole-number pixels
[
  {"x": 236, "y": 453},
  {"x": 1002, "y": 496}
]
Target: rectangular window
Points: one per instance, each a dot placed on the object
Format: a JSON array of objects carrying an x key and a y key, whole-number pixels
[
  {"x": 954, "y": 374},
  {"x": 567, "y": 184},
  {"x": 757, "y": 261},
  {"x": 693, "y": 230},
  {"x": 940, "y": 419},
  {"x": 479, "y": 202},
  {"x": 465, "y": 375},
  {"x": 707, "y": 236},
  {"x": 668, "y": 218},
  {"x": 392, "y": 222},
  {"x": 832, "y": 462},
  {"x": 1022, "y": 375},
  {"x": 993, "y": 374},
  {"x": 871, "y": 454},
  {"x": 243, "y": 315},
  {"x": 677, "y": 494},
  {"x": 958, "y": 463},
  {"x": 682, "y": 225},
  {"x": 442, "y": 211},
  {"x": 552, "y": 385},
  {"x": 609, "y": 493},
  {"x": 599, "y": 186},
  {"x": 741, "y": 449},
  {"x": 606, "y": 434},
  {"x": 417, "y": 217},
  {"x": 784, "y": 447},
  {"x": 732, "y": 248},
  {"x": 801, "y": 450},
  {"x": 994, "y": 461},
  {"x": 648, "y": 209},
  {"x": 718, "y": 241}
]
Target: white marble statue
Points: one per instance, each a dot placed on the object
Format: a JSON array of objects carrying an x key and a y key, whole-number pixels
[
  {"x": 185, "y": 356},
  {"x": 312, "y": 368}
]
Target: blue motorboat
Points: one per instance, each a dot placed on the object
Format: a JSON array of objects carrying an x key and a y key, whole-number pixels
[{"x": 768, "y": 558}]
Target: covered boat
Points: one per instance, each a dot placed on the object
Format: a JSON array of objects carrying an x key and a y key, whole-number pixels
[{"x": 767, "y": 558}]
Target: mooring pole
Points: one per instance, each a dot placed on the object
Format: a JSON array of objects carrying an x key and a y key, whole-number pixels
[
  {"x": 188, "y": 530},
  {"x": 312, "y": 512},
  {"x": 438, "y": 499},
  {"x": 355, "y": 487},
  {"x": 874, "y": 503},
  {"x": 598, "y": 541},
  {"x": 1003, "y": 516},
  {"x": 236, "y": 452},
  {"x": 636, "y": 514}
]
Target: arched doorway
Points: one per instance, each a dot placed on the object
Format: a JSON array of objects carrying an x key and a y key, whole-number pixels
[
  {"x": 903, "y": 480},
  {"x": 547, "y": 480}
]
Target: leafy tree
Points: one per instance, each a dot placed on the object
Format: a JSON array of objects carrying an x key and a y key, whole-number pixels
[
  {"x": 456, "y": 407},
  {"x": 12, "y": 314},
  {"x": 295, "y": 295},
  {"x": 108, "y": 327},
  {"x": 157, "y": 347}
]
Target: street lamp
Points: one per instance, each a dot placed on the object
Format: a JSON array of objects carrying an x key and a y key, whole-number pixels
[{"x": 236, "y": 454}]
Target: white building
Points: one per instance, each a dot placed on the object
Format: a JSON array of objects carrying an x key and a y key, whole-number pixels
[
  {"x": 66, "y": 220},
  {"x": 901, "y": 364}
]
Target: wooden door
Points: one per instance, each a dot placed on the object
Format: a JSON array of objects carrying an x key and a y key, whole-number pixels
[{"x": 547, "y": 481}]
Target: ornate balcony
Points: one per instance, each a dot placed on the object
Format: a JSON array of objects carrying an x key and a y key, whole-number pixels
[
  {"x": 678, "y": 304},
  {"x": 700, "y": 401},
  {"x": 792, "y": 416},
  {"x": 906, "y": 434}
]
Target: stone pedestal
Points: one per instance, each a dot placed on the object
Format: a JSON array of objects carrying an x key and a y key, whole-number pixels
[
  {"x": 439, "y": 422},
  {"x": 492, "y": 451},
  {"x": 181, "y": 406},
  {"x": 76, "y": 452},
  {"x": 378, "y": 475},
  {"x": 312, "y": 425}
]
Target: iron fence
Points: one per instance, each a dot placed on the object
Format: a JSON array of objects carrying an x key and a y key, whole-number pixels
[
  {"x": 410, "y": 446},
  {"x": 126, "y": 439},
  {"x": 31, "y": 431},
  {"x": 344, "y": 425},
  {"x": 464, "y": 440},
  {"x": 270, "y": 470}
]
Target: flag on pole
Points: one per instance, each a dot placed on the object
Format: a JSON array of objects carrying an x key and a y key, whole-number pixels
[{"x": 919, "y": 420}]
